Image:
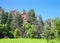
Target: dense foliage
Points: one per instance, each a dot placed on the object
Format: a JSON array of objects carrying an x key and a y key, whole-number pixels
[{"x": 11, "y": 26}]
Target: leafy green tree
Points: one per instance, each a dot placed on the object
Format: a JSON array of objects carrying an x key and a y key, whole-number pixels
[
  {"x": 49, "y": 31},
  {"x": 8, "y": 22},
  {"x": 29, "y": 29},
  {"x": 31, "y": 16},
  {"x": 1, "y": 13},
  {"x": 4, "y": 31},
  {"x": 13, "y": 23},
  {"x": 1, "y": 31},
  {"x": 16, "y": 21},
  {"x": 30, "y": 32},
  {"x": 9, "y": 19},
  {"x": 4, "y": 18},
  {"x": 10, "y": 34},
  {"x": 57, "y": 25},
  {"x": 39, "y": 26},
  {"x": 19, "y": 20}
]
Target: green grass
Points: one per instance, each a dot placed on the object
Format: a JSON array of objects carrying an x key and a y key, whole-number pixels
[{"x": 24, "y": 40}]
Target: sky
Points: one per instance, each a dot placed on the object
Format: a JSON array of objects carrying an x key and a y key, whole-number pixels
[{"x": 45, "y": 8}]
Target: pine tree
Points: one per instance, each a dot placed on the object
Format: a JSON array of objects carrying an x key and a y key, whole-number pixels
[{"x": 31, "y": 16}]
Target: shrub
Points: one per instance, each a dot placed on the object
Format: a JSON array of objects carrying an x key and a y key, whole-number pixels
[{"x": 16, "y": 33}]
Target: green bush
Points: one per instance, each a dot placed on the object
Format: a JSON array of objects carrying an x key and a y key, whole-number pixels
[
  {"x": 16, "y": 33},
  {"x": 29, "y": 30}
]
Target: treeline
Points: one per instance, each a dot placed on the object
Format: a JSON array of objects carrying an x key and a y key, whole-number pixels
[{"x": 11, "y": 26}]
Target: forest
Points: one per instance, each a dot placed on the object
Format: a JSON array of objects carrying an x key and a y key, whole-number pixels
[{"x": 12, "y": 26}]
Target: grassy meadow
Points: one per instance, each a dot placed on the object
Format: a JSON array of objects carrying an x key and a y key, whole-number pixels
[{"x": 24, "y": 40}]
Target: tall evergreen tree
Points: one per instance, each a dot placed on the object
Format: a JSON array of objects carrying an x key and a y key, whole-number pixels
[
  {"x": 19, "y": 19},
  {"x": 9, "y": 19},
  {"x": 1, "y": 14},
  {"x": 41, "y": 21},
  {"x": 4, "y": 17},
  {"x": 31, "y": 16}
]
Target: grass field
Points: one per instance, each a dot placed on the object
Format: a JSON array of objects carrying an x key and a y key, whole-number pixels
[{"x": 24, "y": 40}]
